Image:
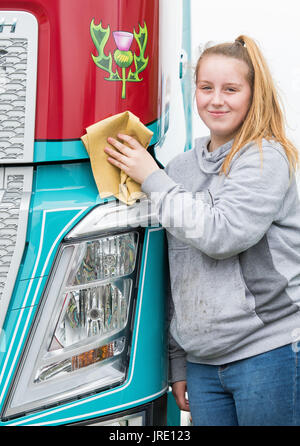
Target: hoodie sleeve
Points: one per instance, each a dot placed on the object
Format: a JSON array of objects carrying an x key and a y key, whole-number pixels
[
  {"x": 177, "y": 356},
  {"x": 177, "y": 362},
  {"x": 240, "y": 213}
]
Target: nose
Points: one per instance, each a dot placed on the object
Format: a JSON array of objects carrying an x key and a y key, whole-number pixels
[{"x": 217, "y": 99}]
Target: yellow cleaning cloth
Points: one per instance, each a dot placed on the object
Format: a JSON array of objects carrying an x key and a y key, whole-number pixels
[{"x": 110, "y": 180}]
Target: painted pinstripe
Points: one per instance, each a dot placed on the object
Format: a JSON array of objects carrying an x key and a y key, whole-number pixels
[
  {"x": 20, "y": 341},
  {"x": 104, "y": 411}
]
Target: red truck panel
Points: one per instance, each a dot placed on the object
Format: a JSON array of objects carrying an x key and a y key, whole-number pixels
[{"x": 72, "y": 92}]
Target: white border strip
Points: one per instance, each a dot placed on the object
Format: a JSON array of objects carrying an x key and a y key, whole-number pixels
[{"x": 104, "y": 394}]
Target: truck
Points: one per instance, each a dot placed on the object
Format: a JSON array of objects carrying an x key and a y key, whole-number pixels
[{"x": 83, "y": 279}]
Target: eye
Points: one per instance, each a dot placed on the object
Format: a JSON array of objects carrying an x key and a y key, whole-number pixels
[
  {"x": 231, "y": 89},
  {"x": 205, "y": 87}
]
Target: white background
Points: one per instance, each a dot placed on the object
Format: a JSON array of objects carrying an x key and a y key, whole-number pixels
[{"x": 275, "y": 26}]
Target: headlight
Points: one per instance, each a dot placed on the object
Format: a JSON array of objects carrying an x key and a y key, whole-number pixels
[{"x": 82, "y": 327}]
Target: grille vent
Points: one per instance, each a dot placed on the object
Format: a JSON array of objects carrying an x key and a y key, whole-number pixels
[
  {"x": 13, "y": 64},
  {"x": 9, "y": 219}
]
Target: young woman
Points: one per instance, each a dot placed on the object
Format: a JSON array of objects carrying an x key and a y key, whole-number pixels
[{"x": 232, "y": 214}]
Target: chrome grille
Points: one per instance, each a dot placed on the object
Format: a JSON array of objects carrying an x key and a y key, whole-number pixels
[
  {"x": 15, "y": 193},
  {"x": 18, "y": 75},
  {"x": 9, "y": 218},
  {"x": 13, "y": 64}
]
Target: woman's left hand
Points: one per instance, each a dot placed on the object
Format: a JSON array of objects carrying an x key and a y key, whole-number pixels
[{"x": 132, "y": 158}]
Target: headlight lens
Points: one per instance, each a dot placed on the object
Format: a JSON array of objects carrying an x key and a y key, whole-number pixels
[
  {"x": 82, "y": 325},
  {"x": 105, "y": 258},
  {"x": 87, "y": 312}
]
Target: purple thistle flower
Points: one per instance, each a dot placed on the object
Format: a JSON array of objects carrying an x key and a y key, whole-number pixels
[{"x": 123, "y": 40}]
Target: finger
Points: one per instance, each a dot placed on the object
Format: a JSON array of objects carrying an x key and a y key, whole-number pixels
[
  {"x": 132, "y": 142},
  {"x": 118, "y": 145},
  {"x": 187, "y": 406},
  {"x": 183, "y": 404},
  {"x": 179, "y": 392},
  {"x": 116, "y": 155},
  {"x": 118, "y": 164}
]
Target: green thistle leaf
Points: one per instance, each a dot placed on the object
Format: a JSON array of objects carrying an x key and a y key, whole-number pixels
[
  {"x": 100, "y": 37},
  {"x": 140, "y": 61}
]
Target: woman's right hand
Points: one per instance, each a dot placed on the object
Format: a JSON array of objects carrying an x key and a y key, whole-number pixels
[{"x": 179, "y": 390}]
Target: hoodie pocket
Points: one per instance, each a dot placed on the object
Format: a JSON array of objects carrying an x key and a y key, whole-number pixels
[
  {"x": 210, "y": 199},
  {"x": 211, "y": 312},
  {"x": 206, "y": 196}
]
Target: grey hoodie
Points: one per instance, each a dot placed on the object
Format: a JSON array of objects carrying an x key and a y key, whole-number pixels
[{"x": 234, "y": 252}]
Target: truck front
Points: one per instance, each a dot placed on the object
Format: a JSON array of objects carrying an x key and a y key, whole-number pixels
[{"x": 83, "y": 279}]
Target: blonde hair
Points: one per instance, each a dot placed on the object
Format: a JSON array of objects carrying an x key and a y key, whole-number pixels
[{"x": 264, "y": 118}]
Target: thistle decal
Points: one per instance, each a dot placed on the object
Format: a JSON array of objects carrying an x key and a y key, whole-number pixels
[{"x": 123, "y": 57}]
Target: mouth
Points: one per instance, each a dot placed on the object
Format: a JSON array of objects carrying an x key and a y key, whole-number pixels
[{"x": 217, "y": 113}]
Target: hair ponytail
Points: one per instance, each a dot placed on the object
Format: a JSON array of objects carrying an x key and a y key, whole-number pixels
[{"x": 265, "y": 117}]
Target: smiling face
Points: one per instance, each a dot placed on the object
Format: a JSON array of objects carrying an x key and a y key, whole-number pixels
[{"x": 223, "y": 96}]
